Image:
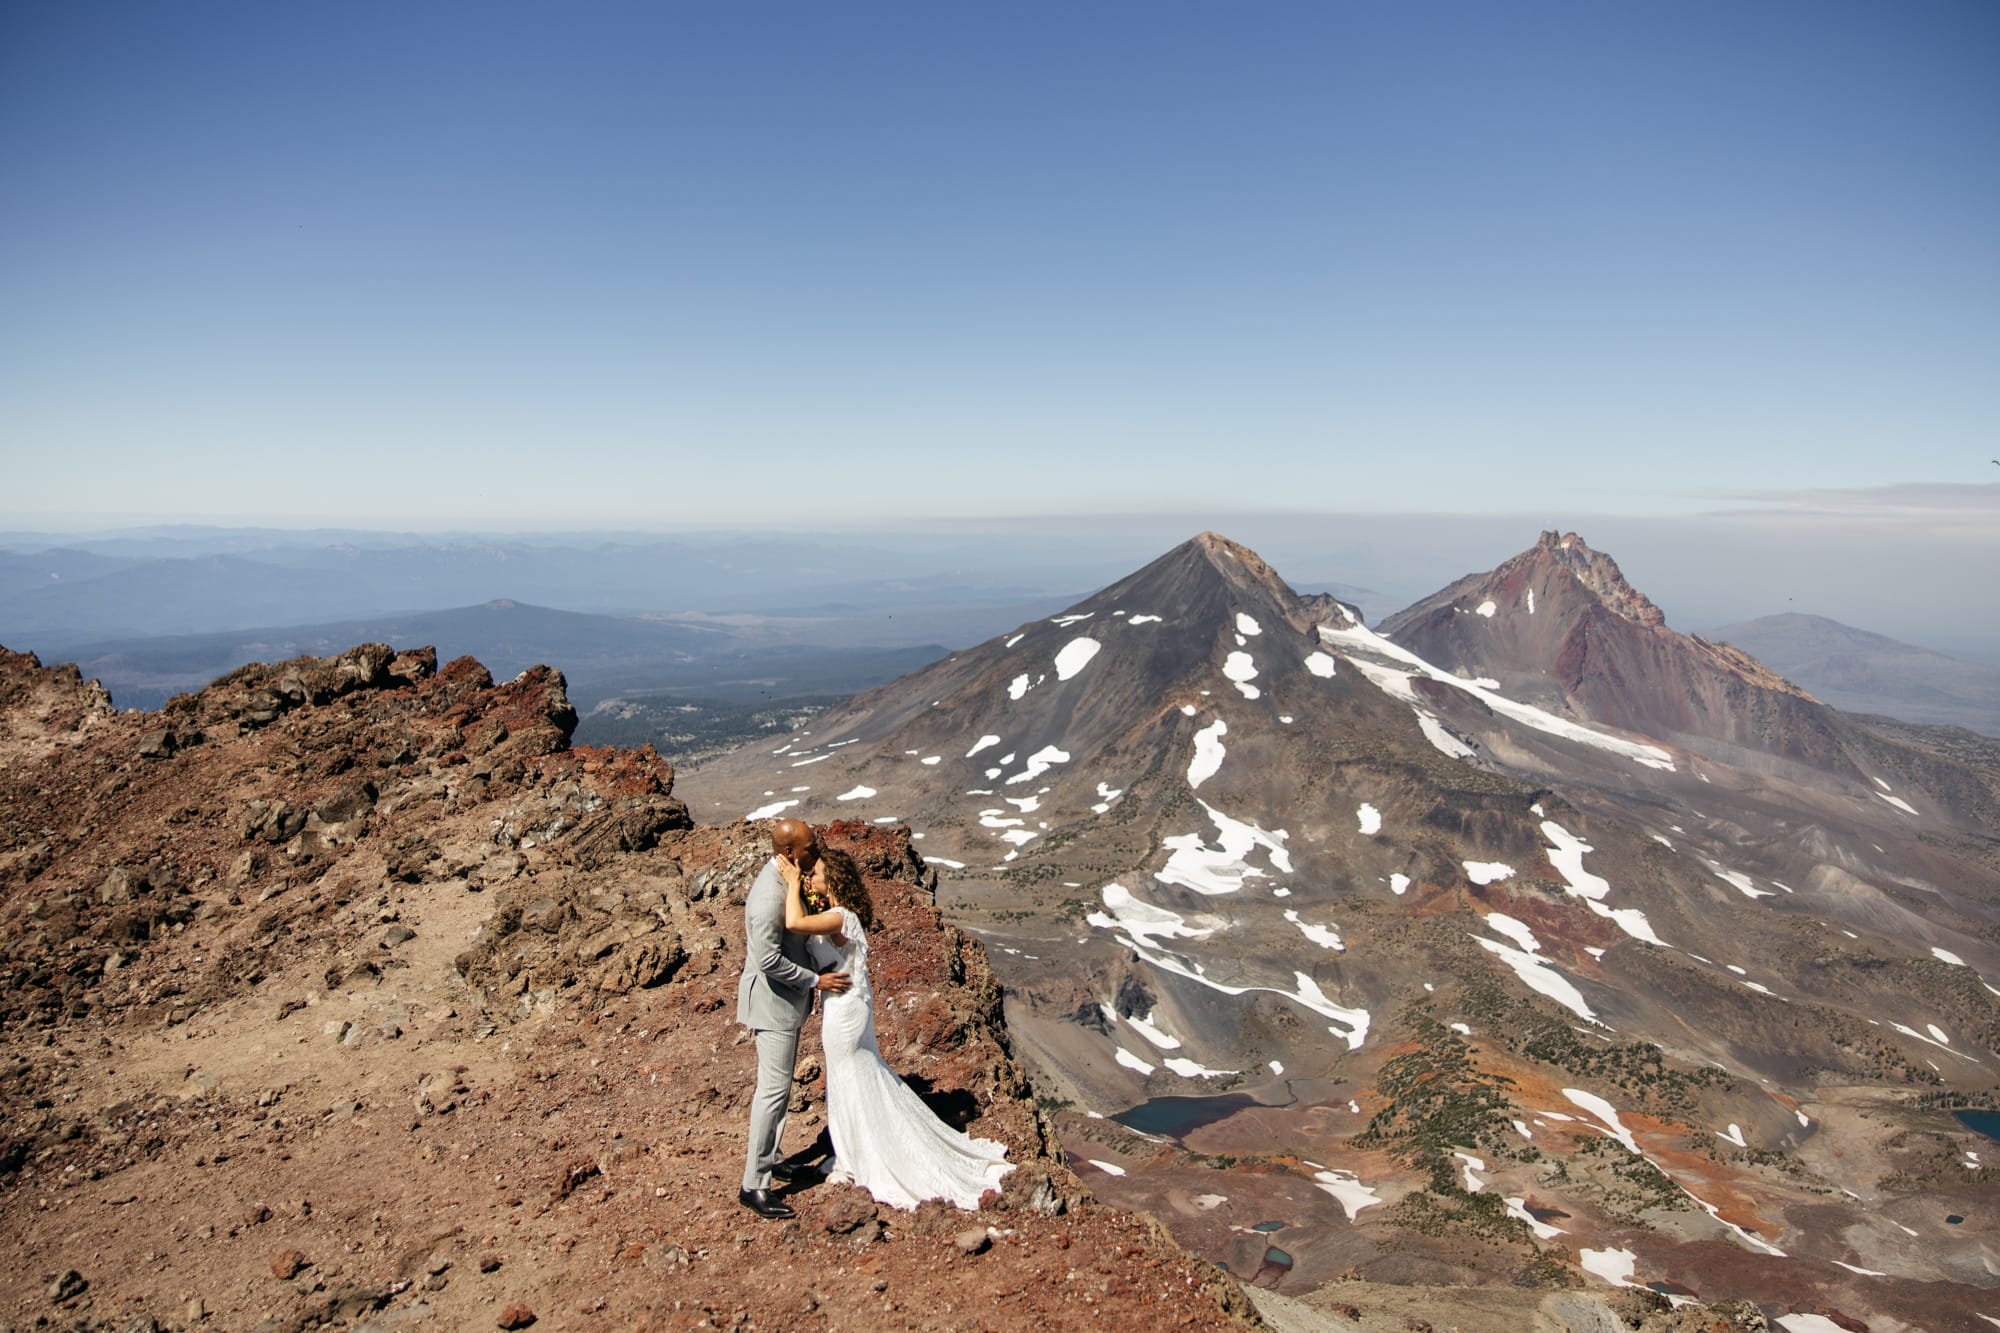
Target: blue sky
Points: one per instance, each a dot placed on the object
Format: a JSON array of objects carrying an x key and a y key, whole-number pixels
[{"x": 492, "y": 264}]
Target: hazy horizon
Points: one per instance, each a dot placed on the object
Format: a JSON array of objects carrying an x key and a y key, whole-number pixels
[{"x": 1925, "y": 582}]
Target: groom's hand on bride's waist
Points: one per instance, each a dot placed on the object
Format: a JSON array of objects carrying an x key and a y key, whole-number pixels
[{"x": 833, "y": 983}]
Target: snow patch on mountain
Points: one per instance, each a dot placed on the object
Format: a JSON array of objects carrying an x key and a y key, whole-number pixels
[
  {"x": 1446, "y": 743},
  {"x": 1138, "y": 925},
  {"x": 1075, "y": 656},
  {"x": 1208, "y": 752},
  {"x": 1605, "y": 1112},
  {"x": 1142, "y": 921},
  {"x": 1741, "y": 882},
  {"x": 1241, "y": 670},
  {"x": 1805, "y": 1321},
  {"x": 1614, "y": 1266},
  {"x": 1517, "y": 1208},
  {"x": 1039, "y": 763},
  {"x": 1936, "y": 1038},
  {"x": 1144, "y": 1027},
  {"x": 1566, "y": 855},
  {"x": 1323, "y": 936},
  {"x": 1502, "y": 924},
  {"x": 1359, "y": 639},
  {"x": 1347, "y": 1189},
  {"x": 1133, "y": 1062},
  {"x": 1193, "y": 864},
  {"x": 1536, "y": 973}
]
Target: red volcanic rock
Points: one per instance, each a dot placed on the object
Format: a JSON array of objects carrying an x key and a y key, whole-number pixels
[
  {"x": 545, "y": 1069},
  {"x": 1599, "y": 573}
]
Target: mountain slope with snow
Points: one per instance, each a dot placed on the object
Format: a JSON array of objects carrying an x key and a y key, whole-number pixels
[{"x": 1303, "y": 921}]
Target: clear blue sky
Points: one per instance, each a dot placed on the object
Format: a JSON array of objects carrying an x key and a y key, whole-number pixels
[{"x": 489, "y": 263}]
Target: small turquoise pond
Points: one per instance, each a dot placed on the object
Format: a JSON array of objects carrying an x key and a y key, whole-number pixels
[
  {"x": 1269, "y": 1226},
  {"x": 1175, "y": 1116},
  {"x": 1277, "y": 1258},
  {"x": 1980, "y": 1122}
]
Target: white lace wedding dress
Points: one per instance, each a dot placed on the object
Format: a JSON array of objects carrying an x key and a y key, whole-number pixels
[{"x": 884, "y": 1138}]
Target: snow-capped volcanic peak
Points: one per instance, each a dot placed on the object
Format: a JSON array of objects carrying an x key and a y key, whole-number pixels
[
  {"x": 1589, "y": 647},
  {"x": 1209, "y": 828}
]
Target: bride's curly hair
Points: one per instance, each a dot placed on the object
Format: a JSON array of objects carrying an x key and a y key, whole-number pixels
[{"x": 843, "y": 880}]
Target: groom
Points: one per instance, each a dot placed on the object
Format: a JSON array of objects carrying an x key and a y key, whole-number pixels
[{"x": 772, "y": 1001}]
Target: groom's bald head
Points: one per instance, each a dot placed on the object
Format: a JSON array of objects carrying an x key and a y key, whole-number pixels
[{"x": 793, "y": 839}]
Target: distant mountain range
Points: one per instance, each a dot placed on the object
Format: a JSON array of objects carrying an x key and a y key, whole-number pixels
[
  {"x": 743, "y": 660},
  {"x": 1861, "y": 672},
  {"x": 55, "y": 599}
]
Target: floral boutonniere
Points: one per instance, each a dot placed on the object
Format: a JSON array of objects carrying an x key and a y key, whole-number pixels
[{"x": 814, "y": 900}]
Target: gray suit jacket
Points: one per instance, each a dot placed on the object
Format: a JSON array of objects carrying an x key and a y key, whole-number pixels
[{"x": 776, "y": 989}]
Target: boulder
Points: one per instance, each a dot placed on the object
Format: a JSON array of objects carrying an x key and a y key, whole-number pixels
[
  {"x": 644, "y": 963},
  {"x": 116, "y": 887},
  {"x": 349, "y": 803}
]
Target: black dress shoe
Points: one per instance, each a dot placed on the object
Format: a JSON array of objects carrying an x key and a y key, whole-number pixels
[
  {"x": 801, "y": 1173},
  {"x": 763, "y": 1204}
]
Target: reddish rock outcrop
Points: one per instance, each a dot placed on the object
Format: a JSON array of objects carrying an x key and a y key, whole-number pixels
[{"x": 363, "y": 948}]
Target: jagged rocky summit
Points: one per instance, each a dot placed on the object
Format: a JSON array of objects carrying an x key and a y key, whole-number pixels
[
  {"x": 346, "y": 992},
  {"x": 1523, "y": 941}
]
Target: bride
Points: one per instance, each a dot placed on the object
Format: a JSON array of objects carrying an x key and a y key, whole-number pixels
[{"x": 884, "y": 1138}]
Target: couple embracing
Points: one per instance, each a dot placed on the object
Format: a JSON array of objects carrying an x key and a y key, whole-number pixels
[{"x": 884, "y": 1138}]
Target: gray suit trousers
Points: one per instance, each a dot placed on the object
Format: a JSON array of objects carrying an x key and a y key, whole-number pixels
[{"x": 777, "y": 1054}]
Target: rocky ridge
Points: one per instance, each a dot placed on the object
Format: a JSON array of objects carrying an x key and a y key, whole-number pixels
[{"x": 347, "y": 993}]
